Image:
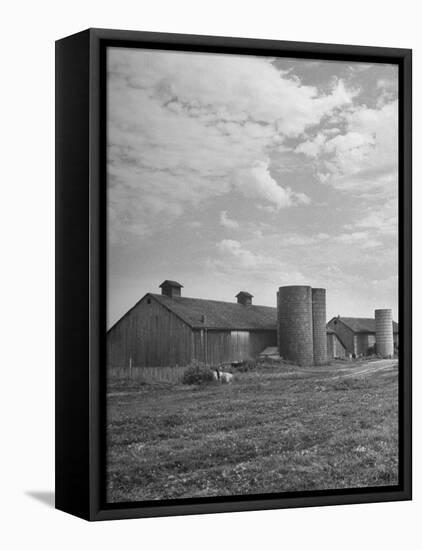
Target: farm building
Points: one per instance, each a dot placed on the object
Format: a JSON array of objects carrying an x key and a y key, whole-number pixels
[
  {"x": 167, "y": 329},
  {"x": 358, "y": 334}
]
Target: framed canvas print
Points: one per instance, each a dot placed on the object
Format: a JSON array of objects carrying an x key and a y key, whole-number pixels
[{"x": 233, "y": 274}]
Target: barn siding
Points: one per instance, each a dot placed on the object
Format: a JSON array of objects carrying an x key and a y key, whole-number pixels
[
  {"x": 335, "y": 349},
  {"x": 345, "y": 334},
  {"x": 151, "y": 336},
  {"x": 212, "y": 347},
  {"x": 363, "y": 341},
  {"x": 259, "y": 340},
  {"x": 225, "y": 346},
  {"x": 239, "y": 345}
]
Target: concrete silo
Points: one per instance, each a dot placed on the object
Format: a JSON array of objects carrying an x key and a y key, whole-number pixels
[
  {"x": 384, "y": 332},
  {"x": 295, "y": 324},
  {"x": 319, "y": 323},
  {"x": 278, "y": 324}
]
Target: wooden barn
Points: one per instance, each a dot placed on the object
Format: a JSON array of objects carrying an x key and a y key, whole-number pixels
[
  {"x": 357, "y": 334},
  {"x": 168, "y": 330}
]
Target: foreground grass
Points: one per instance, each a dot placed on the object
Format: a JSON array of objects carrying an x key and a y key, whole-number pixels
[{"x": 275, "y": 429}]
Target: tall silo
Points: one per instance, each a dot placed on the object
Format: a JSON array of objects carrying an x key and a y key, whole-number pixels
[
  {"x": 384, "y": 332},
  {"x": 278, "y": 324},
  {"x": 319, "y": 324},
  {"x": 295, "y": 324}
]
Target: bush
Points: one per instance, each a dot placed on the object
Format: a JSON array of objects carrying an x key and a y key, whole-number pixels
[{"x": 197, "y": 373}]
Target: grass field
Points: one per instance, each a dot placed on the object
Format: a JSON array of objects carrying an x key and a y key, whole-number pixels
[{"x": 274, "y": 429}]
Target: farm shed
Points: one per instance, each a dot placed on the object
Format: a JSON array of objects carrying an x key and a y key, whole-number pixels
[
  {"x": 167, "y": 329},
  {"x": 358, "y": 334}
]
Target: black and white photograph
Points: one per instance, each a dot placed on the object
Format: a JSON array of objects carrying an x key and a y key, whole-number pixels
[
  {"x": 252, "y": 275},
  {"x": 210, "y": 236}
]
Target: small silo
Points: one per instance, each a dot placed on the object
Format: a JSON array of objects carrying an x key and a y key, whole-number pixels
[
  {"x": 295, "y": 324},
  {"x": 384, "y": 332},
  {"x": 319, "y": 323}
]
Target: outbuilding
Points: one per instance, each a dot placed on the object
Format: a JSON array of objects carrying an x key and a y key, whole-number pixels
[{"x": 358, "y": 334}]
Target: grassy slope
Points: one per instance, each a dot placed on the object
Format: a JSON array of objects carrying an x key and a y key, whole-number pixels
[{"x": 272, "y": 430}]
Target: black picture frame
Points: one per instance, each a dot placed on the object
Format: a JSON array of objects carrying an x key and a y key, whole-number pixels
[{"x": 80, "y": 272}]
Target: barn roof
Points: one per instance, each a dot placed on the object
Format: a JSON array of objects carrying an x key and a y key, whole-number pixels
[
  {"x": 362, "y": 324},
  {"x": 212, "y": 314}
]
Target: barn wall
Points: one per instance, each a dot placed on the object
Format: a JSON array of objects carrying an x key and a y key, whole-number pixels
[
  {"x": 345, "y": 334},
  {"x": 240, "y": 345},
  {"x": 212, "y": 347},
  {"x": 335, "y": 349},
  {"x": 224, "y": 346},
  {"x": 261, "y": 340},
  {"x": 151, "y": 336},
  {"x": 363, "y": 341}
]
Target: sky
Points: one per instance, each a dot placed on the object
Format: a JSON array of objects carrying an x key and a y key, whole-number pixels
[{"x": 231, "y": 173}]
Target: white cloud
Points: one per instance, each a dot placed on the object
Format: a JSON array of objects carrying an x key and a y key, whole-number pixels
[
  {"x": 261, "y": 273},
  {"x": 225, "y": 221},
  {"x": 194, "y": 224},
  {"x": 364, "y": 159},
  {"x": 256, "y": 182},
  {"x": 294, "y": 239},
  {"x": 184, "y": 128},
  {"x": 244, "y": 257},
  {"x": 227, "y": 87},
  {"x": 380, "y": 221},
  {"x": 313, "y": 147},
  {"x": 360, "y": 238},
  {"x": 383, "y": 222}
]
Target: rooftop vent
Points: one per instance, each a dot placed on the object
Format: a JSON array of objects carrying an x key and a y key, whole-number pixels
[
  {"x": 172, "y": 289},
  {"x": 244, "y": 298}
]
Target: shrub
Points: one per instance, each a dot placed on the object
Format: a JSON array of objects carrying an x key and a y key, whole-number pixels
[{"x": 197, "y": 373}]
